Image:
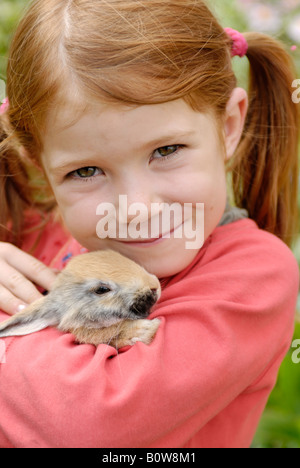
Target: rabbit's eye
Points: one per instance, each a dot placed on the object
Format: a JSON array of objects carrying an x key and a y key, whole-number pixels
[{"x": 101, "y": 290}]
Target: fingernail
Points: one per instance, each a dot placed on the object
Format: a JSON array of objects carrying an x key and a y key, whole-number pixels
[{"x": 21, "y": 307}]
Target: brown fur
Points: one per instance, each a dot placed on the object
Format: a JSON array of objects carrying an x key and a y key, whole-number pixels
[
  {"x": 119, "y": 335},
  {"x": 73, "y": 305}
]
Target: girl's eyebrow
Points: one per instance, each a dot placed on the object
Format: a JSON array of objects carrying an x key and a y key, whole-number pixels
[
  {"x": 61, "y": 168},
  {"x": 174, "y": 138}
]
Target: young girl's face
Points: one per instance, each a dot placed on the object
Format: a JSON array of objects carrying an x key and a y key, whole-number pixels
[{"x": 162, "y": 153}]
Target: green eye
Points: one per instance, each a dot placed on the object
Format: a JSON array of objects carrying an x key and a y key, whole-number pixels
[
  {"x": 167, "y": 150},
  {"x": 86, "y": 172}
]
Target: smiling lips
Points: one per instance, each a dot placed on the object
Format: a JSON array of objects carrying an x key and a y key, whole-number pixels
[{"x": 146, "y": 242}]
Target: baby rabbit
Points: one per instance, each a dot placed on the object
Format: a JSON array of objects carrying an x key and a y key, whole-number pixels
[{"x": 100, "y": 297}]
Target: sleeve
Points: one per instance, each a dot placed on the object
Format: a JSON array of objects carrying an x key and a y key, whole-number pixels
[{"x": 220, "y": 330}]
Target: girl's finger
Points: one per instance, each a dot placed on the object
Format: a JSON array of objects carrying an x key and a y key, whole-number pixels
[
  {"x": 17, "y": 285},
  {"x": 29, "y": 266},
  {"x": 9, "y": 303}
]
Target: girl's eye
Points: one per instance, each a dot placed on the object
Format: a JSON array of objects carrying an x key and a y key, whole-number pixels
[
  {"x": 167, "y": 151},
  {"x": 85, "y": 172}
]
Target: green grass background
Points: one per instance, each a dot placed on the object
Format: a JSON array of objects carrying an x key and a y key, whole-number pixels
[{"x": 280, "y": 424}]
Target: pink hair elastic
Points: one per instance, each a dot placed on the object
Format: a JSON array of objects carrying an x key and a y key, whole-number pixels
[
  {"x": 4, "y": 106},
  {"x": 240, "y": 45}
]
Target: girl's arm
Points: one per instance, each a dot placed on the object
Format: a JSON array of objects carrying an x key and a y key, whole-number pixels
[{"x": 224, "y": 328}]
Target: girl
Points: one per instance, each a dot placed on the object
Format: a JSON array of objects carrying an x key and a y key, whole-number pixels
[{"x": 139, "y": 99}]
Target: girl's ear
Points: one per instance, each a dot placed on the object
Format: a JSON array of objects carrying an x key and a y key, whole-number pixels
[
  {"x": 236, "y": 112},
  {"x": 34, "y": 318}
]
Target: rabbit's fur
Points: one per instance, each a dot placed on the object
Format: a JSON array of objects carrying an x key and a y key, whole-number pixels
[{"x": 100, "y": 297}]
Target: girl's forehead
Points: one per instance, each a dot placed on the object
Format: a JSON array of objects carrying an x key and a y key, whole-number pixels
[
  {"x": 140, "y": 128},
  {"x": 70, "y": 115}
]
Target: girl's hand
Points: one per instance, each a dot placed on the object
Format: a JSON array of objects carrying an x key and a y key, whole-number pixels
[{"x": 18, "y": 272}]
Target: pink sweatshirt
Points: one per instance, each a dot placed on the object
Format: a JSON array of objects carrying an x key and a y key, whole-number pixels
[{"x": 227, "y": 322}]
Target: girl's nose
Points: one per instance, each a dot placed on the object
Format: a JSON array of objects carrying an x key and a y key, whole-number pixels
[
  {"x": 136, "y": 197},
  {"x": 129, "y": 207}
]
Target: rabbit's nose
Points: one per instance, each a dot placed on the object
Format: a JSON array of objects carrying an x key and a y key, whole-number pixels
[{"x": 142, "y": 305}]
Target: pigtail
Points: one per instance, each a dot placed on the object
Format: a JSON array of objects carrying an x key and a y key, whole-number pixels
[
  {"x": 17, "y": 193},
  {"x": 265, "y": 170},
  {"x": 12, "y": 178}
]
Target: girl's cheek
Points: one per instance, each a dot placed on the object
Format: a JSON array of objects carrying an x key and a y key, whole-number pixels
[{"x": 80, "y": 216}]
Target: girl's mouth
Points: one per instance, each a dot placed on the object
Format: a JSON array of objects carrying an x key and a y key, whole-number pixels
[{"x": 150, "y": 242}]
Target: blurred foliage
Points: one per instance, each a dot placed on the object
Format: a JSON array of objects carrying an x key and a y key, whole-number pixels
[
  {"x": 10, "y": 12},
  {"x": 280, "y": 424}
]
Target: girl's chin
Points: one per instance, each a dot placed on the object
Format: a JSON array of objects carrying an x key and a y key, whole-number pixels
[{"x": 163, "y": 259}]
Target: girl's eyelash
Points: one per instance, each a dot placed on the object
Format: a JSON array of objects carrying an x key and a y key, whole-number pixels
[
  {"x": 165, "y": 158},
  {"x": 72, "y": 175},
  {"x": 172, "y": 155}
]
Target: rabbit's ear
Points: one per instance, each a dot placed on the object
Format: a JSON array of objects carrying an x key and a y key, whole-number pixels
[{"x": 34, "y": 318}]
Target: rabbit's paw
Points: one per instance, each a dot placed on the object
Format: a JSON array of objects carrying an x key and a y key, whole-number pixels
[{"x": 145, "y": 331}]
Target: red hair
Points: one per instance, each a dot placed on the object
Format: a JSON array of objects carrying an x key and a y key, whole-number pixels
[{"x": 147, "y": 52}]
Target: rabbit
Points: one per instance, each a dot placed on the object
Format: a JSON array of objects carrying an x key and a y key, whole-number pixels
[{"x": 100, "y": 297}]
